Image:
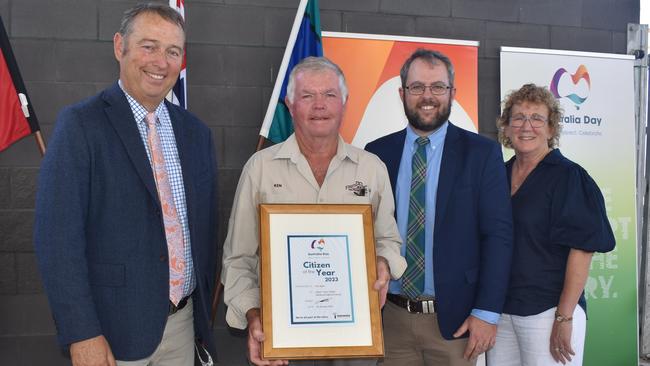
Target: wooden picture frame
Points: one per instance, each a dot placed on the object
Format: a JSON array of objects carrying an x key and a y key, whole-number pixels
[{"x": 304, "y": 316}]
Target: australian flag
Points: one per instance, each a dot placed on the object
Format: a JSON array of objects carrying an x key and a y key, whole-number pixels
[{"x": 178, "y": 94}]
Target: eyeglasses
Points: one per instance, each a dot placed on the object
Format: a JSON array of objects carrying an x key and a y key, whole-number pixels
[
  {"x": 436, "y": 89},
  {"x": 536, "y": 120}
]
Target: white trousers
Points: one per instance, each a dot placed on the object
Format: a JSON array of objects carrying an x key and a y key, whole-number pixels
[
  {"x": 525, "y": 340},
  {"x": 177, "y": 345}
]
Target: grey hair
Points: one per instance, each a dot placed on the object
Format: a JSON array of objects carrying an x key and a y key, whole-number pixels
[
  {"x": 430, "y": 56},
  {"x": 162, "y": 10},
  {"x": 316, "y": 64}
]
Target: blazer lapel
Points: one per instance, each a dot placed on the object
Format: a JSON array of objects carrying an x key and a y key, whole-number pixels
[
  {"x": 393, "y": 157},
  {"x": 448, "y": 170},
  {"x": 121, "y": 117}
]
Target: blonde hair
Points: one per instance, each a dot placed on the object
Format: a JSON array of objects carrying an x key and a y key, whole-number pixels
[{"x": 533, "y": 94}]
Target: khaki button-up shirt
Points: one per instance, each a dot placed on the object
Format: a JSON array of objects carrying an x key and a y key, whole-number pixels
[{"x": 281, "y": 174}]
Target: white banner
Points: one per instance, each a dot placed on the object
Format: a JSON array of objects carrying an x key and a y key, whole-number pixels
[{"x": 596, "y": 92}]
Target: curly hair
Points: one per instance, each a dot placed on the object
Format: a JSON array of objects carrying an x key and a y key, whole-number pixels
[{"x": 533, "y": 94}]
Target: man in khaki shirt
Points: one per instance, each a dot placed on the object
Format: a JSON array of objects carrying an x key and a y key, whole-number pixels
[{"x": 314, "y": 165}]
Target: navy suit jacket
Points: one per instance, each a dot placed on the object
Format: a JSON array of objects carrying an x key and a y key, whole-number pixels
[
  {"x": 99, "y": 235},
  {"x": 472, "y": 240}
]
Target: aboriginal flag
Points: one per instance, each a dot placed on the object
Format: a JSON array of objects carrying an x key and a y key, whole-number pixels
[{"x": 17, "y": 118}]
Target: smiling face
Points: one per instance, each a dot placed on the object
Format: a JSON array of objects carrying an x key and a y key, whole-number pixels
[
  {"x": 527, "y": 140},
  {"x": 150, "y": 58},
  {"x": 427, "y": 112},
  {"x": 317, "y": 107}
]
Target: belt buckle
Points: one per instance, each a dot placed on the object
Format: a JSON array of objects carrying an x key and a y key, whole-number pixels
[
  {"x": 426, "y": 306},
  {"x": 411, "y": 303}
]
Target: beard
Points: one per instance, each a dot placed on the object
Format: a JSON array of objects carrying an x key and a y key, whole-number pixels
[{"x": 414, "y": 118}]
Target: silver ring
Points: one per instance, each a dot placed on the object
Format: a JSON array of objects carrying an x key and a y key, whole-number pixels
[{"x": 557, "y": 349}]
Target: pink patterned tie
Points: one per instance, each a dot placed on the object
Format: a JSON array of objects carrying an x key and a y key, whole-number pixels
[{"x": 173, "y": 228}]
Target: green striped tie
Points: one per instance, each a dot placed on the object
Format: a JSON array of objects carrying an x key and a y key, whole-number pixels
[{"x": 413, "y": 279}]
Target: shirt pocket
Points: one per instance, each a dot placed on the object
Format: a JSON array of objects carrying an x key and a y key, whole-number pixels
[
  {"x": 354, "y": 199},
  {"x": 280, "y": 197}
]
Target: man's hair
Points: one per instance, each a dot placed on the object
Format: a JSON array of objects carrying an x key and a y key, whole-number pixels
[
  {"x": 316, "y": 64},
  {"x": 534, "y": 94},
  {"x": 430, "y": 56},
  {"x": 163, "y": 11}
]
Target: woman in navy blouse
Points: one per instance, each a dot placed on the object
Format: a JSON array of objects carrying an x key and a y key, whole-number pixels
[{"x": 559, "y": 221}]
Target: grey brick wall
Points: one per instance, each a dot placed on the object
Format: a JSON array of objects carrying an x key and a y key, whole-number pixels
[{"x": 64, "y": 50}]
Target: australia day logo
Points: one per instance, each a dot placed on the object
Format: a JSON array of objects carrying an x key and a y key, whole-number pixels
[
  {"x": 318, "y": 244},
  {"x": 575, "y": 91}
]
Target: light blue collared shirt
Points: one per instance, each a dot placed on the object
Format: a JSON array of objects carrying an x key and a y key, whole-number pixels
[
  {"x": 434, "y": 152},
  {"x": 403, "y": 192}
]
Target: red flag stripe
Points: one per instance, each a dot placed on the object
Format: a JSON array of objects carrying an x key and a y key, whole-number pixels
[{"x": 13, "y": 124}]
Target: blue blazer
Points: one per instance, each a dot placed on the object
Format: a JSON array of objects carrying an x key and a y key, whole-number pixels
[
  {"x": 99, "y": 235},
  {"x": 472, "y": 240}
]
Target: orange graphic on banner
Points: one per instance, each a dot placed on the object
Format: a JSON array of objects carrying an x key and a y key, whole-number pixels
[
  {"x": 361, "y": 77},
  {"x": 369, "y": 63}
]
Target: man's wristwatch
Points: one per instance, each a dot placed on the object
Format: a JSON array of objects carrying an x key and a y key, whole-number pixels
[{"x": 561, "y": 318}]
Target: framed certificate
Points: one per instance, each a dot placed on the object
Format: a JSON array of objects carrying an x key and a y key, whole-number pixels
[{"x": 318, "y": 268}]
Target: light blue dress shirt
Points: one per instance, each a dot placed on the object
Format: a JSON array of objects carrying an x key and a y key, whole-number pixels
[
  {"x": 403, "y": 191},
  {"x": 434, "y": 152}
]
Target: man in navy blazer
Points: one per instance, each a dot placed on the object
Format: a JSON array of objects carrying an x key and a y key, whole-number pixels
[
  {"x": 100, "y": 239},
  {"x": 467, "y": 246}
]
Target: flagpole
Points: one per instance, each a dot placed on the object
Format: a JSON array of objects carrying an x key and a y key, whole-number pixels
[
  {"x": 270, "y": 111},
  {"x": 260, "y": 143},
  {"x": 40, "y": 142}
]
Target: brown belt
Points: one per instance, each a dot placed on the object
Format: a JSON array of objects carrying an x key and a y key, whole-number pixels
[{"x": 426, "y": 306}]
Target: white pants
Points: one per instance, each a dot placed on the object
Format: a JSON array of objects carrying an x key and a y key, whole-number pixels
[
  {"x": 525, "y": 340},
  {"x": 177, "y": 345}
]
